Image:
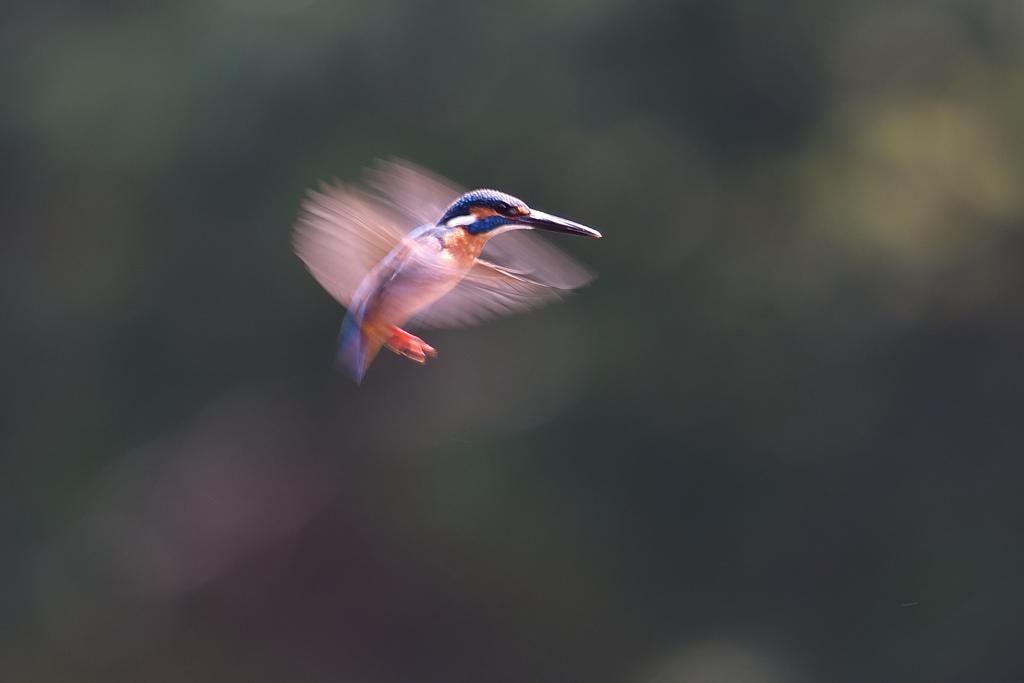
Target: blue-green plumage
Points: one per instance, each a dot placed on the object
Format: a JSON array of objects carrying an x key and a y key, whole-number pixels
[{"x": 502, "y": 204}]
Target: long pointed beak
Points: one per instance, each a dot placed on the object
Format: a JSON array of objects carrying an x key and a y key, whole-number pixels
[{"x": 545, "y": 221}]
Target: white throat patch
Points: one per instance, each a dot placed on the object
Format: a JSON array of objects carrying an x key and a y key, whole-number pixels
[{"x": 457, "y": 221}]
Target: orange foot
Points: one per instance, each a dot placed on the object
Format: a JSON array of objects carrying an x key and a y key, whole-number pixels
[{"x": 410, "y": 346}]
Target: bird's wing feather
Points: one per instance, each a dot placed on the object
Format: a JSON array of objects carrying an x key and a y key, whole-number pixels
[
  {"x": 342, "y": 234},
  {"x": 343, "y": 231},
  {"x": 517, "y": 271},
  {"x": 411, "y": 191},
  {"x": 529, "y": 256}
]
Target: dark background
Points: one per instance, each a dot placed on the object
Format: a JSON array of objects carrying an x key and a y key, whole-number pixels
[{"x": 779, "y": 438}]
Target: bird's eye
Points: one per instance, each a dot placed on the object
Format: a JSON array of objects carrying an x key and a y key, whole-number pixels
[{"x": 502, "y": 207}]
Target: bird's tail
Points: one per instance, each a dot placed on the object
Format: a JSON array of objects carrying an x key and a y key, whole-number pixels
[{"x": 356, "y": 348}]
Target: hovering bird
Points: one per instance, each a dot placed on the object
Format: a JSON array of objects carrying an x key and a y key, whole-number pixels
[{"x": 412, "y": 248}]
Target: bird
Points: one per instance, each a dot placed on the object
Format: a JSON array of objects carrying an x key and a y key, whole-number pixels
[{"x": 410, "y": 248}]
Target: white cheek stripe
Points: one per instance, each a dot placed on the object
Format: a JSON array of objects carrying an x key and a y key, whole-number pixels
[{"x": 457, "y": 221}]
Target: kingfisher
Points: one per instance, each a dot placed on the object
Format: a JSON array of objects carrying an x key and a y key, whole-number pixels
[{"x": 409, "y": 248}]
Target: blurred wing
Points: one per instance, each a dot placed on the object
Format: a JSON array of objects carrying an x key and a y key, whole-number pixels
[
  {"x": 517, "y": 271},
  {"x": 527, "y": 255},
  {"x": 412, "y": 191},
  {"x": 341, "y": 234}
]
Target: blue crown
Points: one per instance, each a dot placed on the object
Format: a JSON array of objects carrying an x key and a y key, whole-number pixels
[{"x": 499, "y": 202}]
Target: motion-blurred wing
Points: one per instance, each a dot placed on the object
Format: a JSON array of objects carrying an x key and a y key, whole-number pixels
[
  {"x": 342, "y": 233},
  {"x": 527, "y": 255},
  {"x": 517, "y": 271},
  {"x": 412, "y": 191}
]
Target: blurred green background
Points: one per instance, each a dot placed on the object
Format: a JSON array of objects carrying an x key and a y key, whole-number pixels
[{"x": 779, "y": 438}]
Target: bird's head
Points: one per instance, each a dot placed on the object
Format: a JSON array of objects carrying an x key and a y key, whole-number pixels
[{"x": 489, "y": 212}]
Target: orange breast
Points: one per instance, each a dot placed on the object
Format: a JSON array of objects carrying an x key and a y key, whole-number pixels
[{"x": 463, "y": 247}]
